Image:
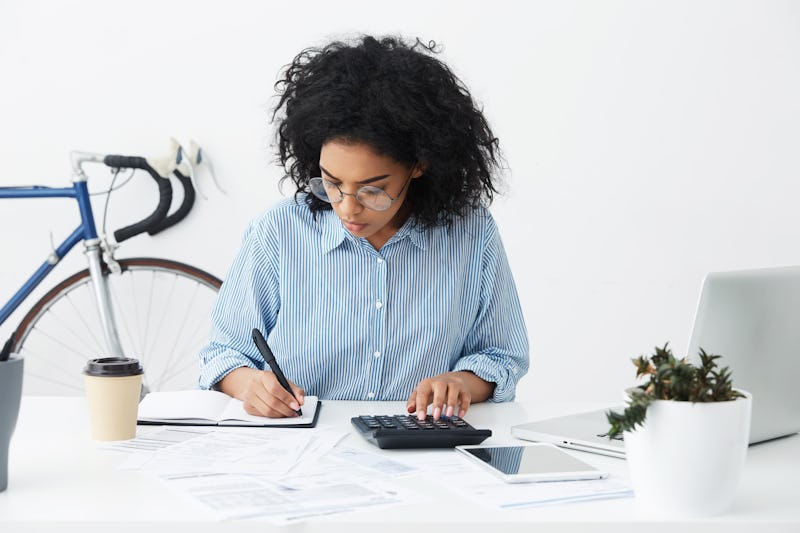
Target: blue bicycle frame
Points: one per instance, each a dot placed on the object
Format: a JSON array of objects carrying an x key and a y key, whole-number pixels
[{"x": 86, "y": 232}]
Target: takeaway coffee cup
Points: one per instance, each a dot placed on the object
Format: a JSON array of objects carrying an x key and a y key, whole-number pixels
[{"x": 113, "y": 385}]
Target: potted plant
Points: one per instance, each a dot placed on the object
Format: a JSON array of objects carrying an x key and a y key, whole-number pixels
[{"x": 686, "y": 432}]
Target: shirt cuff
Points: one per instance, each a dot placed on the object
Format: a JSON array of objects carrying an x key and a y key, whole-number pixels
[{"x": 504, "y": 379}]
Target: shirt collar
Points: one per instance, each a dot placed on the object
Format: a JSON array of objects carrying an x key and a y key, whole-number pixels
[
  {"x": 412, "y": 232},
  {"x": 334, "y": 233}
]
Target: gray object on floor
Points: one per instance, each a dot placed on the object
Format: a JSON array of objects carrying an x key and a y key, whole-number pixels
[{"x": 10, "y": 394}]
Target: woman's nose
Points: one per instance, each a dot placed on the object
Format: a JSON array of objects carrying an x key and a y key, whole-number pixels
[{"x": 350, "y": 205}]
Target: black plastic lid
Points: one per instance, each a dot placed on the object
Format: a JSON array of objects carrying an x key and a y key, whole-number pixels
[{"x": 113, "y": 366}]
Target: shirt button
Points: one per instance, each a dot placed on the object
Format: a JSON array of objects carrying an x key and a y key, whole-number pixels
[
  {"x": 377, "y": 354},
  {"x": 371, "y": 395},
  {"x": 378, "y": 304},
  {"x": 380, "y": 261}
]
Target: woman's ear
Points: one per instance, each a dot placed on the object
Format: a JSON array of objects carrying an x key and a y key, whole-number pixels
[{"x": 419, "y": 169}]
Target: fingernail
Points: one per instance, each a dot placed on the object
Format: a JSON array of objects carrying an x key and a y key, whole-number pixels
[
  {"x": 437, "y": 412},
  {"x": 294, "y": 405},
  {"x": 450, "y": 411},
  {"x": 421, "y": 415}
]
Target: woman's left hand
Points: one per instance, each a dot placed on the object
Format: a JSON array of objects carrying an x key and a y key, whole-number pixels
[{"x": 446, "y": 391}]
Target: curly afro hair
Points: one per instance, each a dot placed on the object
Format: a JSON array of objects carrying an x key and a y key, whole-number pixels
[{"x": 404, "y": 103}]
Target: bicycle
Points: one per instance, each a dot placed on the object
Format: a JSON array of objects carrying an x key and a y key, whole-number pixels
[{"x": 156, "y": 310}]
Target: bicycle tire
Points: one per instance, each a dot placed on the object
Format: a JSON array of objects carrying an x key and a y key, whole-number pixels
[{"x": 162, "y": 310}]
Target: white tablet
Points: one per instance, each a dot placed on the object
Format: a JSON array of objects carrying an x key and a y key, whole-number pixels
[{"x": 532, "y": 462}]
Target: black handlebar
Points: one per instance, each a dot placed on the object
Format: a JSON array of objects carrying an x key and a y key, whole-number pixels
[
  {"x": 182, "y": 211},
  {"x": 128, "y": 161},
  {"x": 158, "y": 219},
  {"x": 164, "y": 194}
]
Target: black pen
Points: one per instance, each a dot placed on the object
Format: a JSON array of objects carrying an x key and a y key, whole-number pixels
[{"x": 269, "y": 357}]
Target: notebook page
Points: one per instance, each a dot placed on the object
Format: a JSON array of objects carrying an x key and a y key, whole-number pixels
[
  {"x": 183, "y": 405},
  {"x": 235, "y": 412}
]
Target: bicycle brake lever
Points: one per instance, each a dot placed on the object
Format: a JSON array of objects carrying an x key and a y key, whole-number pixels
[
  {"x": 184, "y": 166},
  {"x": 201, "y": 159}
]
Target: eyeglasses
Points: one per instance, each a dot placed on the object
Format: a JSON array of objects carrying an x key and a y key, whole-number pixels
[{"x": 370, "y": 197}]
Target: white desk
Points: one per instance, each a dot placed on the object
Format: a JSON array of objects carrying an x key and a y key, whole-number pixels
[{"x": 59, "y": 480}]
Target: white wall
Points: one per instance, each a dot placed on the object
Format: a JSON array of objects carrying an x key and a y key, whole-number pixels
[{"x": 648, "y": 142}]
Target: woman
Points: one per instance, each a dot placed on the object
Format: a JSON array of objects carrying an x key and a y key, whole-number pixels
[{"x": 384, "y": 277}]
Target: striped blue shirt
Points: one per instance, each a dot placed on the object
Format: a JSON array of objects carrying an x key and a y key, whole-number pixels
[{"x": 348, "y": 322}]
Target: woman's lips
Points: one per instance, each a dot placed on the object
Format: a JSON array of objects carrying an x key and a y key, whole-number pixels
[{"x": 353, "y": 227}]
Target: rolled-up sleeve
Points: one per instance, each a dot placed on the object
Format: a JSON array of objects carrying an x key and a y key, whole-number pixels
[{"x": 496, "y": 349}]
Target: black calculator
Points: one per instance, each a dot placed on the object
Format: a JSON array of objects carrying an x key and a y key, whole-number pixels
[{"x": 406, "y": 431}]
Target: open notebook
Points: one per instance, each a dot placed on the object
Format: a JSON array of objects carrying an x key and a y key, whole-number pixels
[{"x": 214, "y": 408}]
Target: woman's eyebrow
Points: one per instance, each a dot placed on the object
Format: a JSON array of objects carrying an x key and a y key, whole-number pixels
[{"x": 362, "y": 182}]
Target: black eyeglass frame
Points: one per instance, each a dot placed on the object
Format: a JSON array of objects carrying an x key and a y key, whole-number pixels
[{"x": 368, "y": 188}]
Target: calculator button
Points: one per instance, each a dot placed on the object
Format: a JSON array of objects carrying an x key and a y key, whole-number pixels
[{"x": 370, "y": 422}]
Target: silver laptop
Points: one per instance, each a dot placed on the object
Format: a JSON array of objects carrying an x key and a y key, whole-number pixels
[{"x": 752, "y": 319}]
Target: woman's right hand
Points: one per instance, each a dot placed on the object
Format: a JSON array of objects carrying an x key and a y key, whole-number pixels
[{"x": 261, "y": 393}]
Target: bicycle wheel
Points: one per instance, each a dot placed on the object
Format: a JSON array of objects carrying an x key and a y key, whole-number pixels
[{"x": 162, "y": 310}]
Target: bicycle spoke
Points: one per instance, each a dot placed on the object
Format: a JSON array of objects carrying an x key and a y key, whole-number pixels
[
  {"x": 145, "y": 352},
  {"x": 88, "y": 328},
  {"x": 54, "y": 363},
  {"x": 120, "y": 316},
  {"x": 165, "y": 309},
  {"x": 189, "y": 349},
  {"x": 136, "y": 314},
  {"x": 67, "y": 347},
  {"x": 53, "y": 380},
  {"x": 186, "y": 313},
  {"x": 85, "y": 349},
  {"x": 124, "y": 283},
  {"x": 194, "y": 341}
]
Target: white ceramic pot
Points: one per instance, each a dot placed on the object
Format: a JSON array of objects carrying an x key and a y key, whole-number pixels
[{"x": 687, "y": 458}]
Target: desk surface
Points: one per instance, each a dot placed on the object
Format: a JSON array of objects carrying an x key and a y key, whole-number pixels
[{"x": 59, "y": 480}]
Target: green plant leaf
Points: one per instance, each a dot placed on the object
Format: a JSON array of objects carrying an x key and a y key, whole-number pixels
[{"x": 669, "y": 378}]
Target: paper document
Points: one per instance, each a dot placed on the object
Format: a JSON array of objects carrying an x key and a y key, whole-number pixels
[
  {"x": 272, "y": 453},
  {"x": 238, "y": 496},
  {"x": 282, "y": 475}
]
